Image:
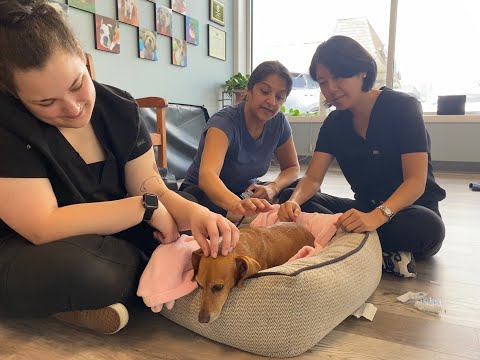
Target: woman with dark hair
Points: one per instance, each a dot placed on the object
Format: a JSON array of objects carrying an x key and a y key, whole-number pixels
[
  {"x": 238, "y": 144},
  {"x": 379, "y": 140},
  {"x": 72, "y": 242}
]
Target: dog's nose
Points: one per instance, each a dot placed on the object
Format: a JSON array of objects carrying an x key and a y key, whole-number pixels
[{"x": 203, "y": 318}]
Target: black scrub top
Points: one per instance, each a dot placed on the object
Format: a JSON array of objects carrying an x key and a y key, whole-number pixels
[
  {"x": 373, "y": 166},
  {"x": 30, "y": 148}
]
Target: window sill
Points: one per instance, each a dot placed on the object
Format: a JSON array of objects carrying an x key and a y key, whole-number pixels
[{"x": 427, "y": 118}]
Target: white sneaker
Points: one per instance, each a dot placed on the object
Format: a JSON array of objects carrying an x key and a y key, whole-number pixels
[{"x": 107, "y": 320}]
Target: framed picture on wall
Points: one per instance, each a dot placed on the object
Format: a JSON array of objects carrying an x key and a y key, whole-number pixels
[
  {"x": 107, "y": 34},
  {"x": 179, "y": 6},
  {"x": 87, "y": 5},
  {"x": 217, "y": 13},
  {"x": 147, "y": 44},
  {"x": 163, "y": 20},
  {"x": 179, "y": 52},
  {"x": 217, "y": 43},
  {"x": 192, "y": 27},
  {"x": 127, "y": 11}
]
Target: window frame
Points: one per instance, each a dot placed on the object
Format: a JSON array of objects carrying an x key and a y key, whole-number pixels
[{"x": 246, "y": 25}]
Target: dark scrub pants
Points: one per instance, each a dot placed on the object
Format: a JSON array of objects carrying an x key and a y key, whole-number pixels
[
  {"x": 81, "y": 272},
  {"x": 416, "y": 229}
]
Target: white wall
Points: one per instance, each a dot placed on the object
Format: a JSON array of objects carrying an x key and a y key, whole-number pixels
[{"x": 196, "y": 84}]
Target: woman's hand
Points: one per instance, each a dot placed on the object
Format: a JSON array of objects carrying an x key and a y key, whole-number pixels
[
  {"x": 289, "y": 211},
  {"x": 166, "y": 229},
  {"x": 208, "y": 225},
  {"x": 249, "y": 207},
  {"x": 356, "y": 221},
  {"x": 267, "y": 192}
]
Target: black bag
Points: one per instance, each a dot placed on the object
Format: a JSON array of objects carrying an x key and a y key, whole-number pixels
[{"x": 451, "y": 105}]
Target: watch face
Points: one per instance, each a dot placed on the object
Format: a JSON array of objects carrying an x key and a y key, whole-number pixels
[{"x": 150, "y": 200}]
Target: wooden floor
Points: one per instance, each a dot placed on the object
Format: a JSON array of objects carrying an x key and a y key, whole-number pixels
[{"x": 398, "y": 331}]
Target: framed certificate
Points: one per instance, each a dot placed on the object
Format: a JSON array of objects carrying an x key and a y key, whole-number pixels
[{"x": 217, "y": 43}]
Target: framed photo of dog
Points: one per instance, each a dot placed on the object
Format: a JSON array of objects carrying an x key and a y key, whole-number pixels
[
  {"x": 163, "y": 20},
  {"x": 192, "y": 27},
  {"x": 217, "y": 43},
  {"x": 147, "y": 44},
  {"x": 127, "y": 11},
  {"x": 107, "y": 34},
  {"x": 217, "y": 13},
  {"x": 179, "y": 6},
  {"x": 179, "y": 52}
]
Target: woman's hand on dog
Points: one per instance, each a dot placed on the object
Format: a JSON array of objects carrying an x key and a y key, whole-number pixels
[
  {"x": 250, "y": 206},
  {"x": 166, "y": 230},
  {"x": 289, "y": 211},
  {"x": 208, "y": 225}
]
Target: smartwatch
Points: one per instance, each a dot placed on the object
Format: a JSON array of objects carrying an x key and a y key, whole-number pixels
[
  {"x": 150, "y": 203},
  {"x": 386, "y": 211}
]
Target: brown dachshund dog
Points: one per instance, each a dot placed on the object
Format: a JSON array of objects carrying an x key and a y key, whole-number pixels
[{"x": 258, "y": 249}]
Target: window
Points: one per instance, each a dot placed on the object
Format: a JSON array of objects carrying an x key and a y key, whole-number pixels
[
  {"x": 301, "y": 25},
  {"x": 436, "y": 51},
  {"x": 305, "y": 94}
]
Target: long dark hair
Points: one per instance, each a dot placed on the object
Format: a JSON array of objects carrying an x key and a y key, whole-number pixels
[
  {"x": 30, "y": 31},
  {"x": 344, "y": 58}
]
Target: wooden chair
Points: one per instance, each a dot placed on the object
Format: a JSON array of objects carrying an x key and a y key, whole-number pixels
[{"x": 159, "y": 105}]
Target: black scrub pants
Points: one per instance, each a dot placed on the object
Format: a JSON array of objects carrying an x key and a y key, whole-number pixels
[
  {"x": 416, "y": 229},
  {"x": 77, "y": 273}
]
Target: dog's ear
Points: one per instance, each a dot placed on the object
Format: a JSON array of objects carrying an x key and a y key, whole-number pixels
[
  {"x": 196, "y": 257},
  {"x": 246, "y": 267}
]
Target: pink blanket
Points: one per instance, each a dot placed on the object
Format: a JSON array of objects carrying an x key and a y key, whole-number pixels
[{"x": 169, "y": 274}]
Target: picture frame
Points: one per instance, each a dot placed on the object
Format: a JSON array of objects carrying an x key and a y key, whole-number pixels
[
  {"x": 192, "y": 27},
  {"x": 85, "y": 5},
  {"x": 163, "y": 20},
  {"x": 127, "y": 12},
  {"x": 147, "y": 44},
  {"x": 217, "y": 43},
  {"x": 217, "y": 13},
  {"x": 179, "y": 52},
  {"x": 107, "y": 34},
  {"x": 179, "y": 6}
]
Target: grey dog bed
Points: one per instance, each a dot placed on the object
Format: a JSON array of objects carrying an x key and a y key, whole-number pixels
[{"x": 285, "y": 310}]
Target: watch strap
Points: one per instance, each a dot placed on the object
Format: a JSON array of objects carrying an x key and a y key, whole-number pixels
[{"x": 147, "y": 216}]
